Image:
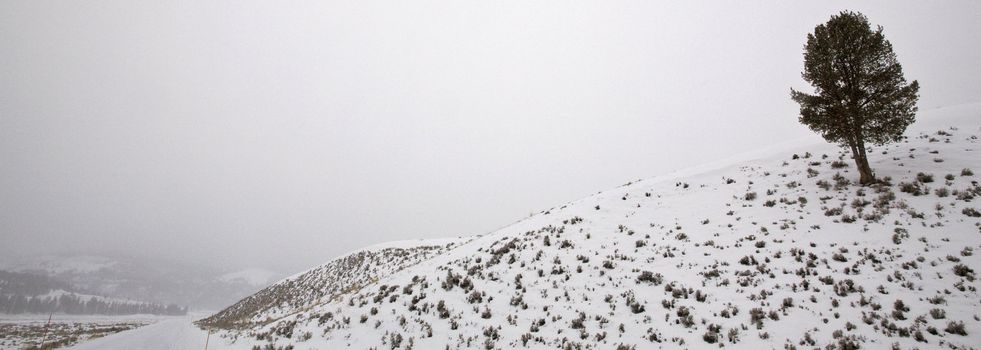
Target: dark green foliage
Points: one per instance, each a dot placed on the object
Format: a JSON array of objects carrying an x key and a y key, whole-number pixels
[{"x": 860, "y": 93}]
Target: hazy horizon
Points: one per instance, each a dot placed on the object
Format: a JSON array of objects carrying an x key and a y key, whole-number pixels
[{"x": 256, "y": 134}]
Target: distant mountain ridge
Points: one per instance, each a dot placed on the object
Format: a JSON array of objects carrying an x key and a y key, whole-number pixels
[
  {"x": 151, "y": 280},
  {"x": 27, "y": 293}
]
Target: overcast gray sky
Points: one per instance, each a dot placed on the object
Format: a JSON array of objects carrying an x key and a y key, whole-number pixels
[{"x": 280, "y": 134}]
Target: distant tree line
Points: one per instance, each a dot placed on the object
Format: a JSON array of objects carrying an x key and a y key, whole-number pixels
[
  {"x": 78, "y": 305},
  {"x": 29, "y": 283},
  {"x": 22, "y": 293}
]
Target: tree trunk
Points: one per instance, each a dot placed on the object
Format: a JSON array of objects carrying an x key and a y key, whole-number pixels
[{"x": 862, "y": 163}]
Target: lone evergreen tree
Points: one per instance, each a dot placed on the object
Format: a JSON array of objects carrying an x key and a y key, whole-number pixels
[{"x": 860, "y": 93}]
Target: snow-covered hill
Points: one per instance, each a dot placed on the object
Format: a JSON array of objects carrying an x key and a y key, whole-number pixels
[
  {"x": 324, "y": 283},
  {"x": 778, "y": 250}
]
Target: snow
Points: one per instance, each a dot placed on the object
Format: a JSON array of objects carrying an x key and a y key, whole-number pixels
[
  {"x": 168, "y": 334},
  {"x": 381, "y": 246},
  {"x": 713, "y": 240},
  {"x": 57, "y": 293},
  {"x": 817, "y": 279},
  {"x": 37, "y": 318},
  {"x": 326, "y": 282},
  {"x": 24, "y": 330}
]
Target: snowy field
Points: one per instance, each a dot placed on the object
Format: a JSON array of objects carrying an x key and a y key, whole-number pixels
[
  {"x": 27, "y": 331},
  {"x": 773, "y": 250},
  {"x": 107, "y": 332}
]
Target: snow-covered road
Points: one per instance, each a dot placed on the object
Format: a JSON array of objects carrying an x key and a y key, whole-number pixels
[{"x": 168, "y": 334}]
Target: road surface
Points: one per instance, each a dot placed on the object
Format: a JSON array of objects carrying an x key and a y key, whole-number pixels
[{"x": 168, "y": 334}]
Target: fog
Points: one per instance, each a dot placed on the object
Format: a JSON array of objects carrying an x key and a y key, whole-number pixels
[{"x": 281, "y": 134}]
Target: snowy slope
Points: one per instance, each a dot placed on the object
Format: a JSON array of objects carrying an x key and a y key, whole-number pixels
[
  {"x": 324, "y": 283},
  {"x": 773, "y": 250}
]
